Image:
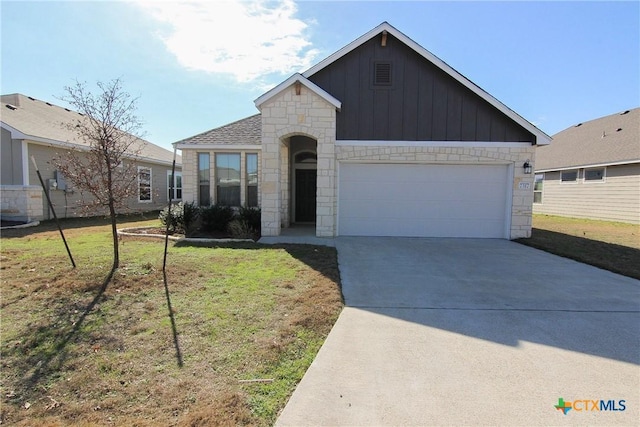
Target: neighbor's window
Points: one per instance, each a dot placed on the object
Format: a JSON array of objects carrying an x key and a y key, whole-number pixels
[
  {"x": 228, "y": 179},
  {"x": 204, "y": 166},
  {"x": 569, "y": 176},
  {"x": 174, "y": 186},
  {"x": 537, "y": 188},
  {"x": 252, "y": 180},
  {"x": 594, "y": 174},
  {"x": 144, "y": 184}
]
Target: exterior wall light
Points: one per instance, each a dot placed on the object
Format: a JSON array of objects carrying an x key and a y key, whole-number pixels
[{"x": 527, "y": 167}]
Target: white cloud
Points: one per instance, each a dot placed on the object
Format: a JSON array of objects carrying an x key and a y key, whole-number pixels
[{"x": 245, "y": 39}]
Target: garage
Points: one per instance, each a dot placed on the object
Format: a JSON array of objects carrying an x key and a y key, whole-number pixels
[{"x": 423, "y": 200}]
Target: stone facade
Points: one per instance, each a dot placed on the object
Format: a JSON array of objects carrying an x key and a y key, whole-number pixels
[
  {"x": 512, "y": 154},
  {"x": 285, "y": 115},
  {"x": 22, "y": 203}
]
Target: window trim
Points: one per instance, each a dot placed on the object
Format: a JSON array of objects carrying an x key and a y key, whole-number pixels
[
  {"x": 595, "y": 181},
  {"x": 216, "y": 175},
  {"x": 141, "y": 168},
  {"x": 246, "y": 175},
  {"x": 206, "y": 183},
  {"x": 573, "y": 181},
  {"x": 175, "y": 186},
  {"x": 541, "y": 190}
]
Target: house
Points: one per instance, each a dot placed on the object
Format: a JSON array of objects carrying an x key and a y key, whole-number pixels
[
  {"x": 382, "y": 138},
  {"x": 31, "y": 127},
  {"x": 592, "y": 170}
]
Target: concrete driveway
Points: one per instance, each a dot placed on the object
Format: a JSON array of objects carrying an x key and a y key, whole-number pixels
[{"x": 472, "y": 332}]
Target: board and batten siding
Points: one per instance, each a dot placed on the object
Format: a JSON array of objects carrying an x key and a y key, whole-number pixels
[
  {"x": 423, "y": 103},
  {"x": 617, "y": 198}
]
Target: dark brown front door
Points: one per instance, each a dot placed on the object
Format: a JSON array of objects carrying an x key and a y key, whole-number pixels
[{"x": 305, "y": 195}]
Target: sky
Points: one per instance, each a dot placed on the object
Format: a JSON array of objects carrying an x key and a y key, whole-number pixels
[{"x": 195, "y": 66}]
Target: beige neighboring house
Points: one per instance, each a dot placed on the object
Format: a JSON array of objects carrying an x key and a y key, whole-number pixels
[
  {"x": 592, "y": 170},
  {"x": 31, "y": 127},
  {"x": 381, "y": 138}
]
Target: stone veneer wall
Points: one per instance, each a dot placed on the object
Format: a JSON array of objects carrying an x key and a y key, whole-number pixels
[
  {"x": 22, "y": 203},
  {"x": 283, "y": 116},
  {"x": 522, "y": 198}
]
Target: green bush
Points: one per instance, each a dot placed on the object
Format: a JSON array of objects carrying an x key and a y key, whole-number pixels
[
  {"x": 173, "y": 219},
  {"x": 216, "y": 217},
  {"x": 240, "y": 229},
  {"x": 252, "y": 216},
  {"x": 190, "y": 214}
]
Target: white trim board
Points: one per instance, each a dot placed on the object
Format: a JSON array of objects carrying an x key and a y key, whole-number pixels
[
  {"x": 297, "y": 77},
  {"x": 589, "y": 166},
  {"x": 474, "y": 144}
]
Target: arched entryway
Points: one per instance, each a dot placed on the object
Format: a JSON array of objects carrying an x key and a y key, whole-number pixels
[{"x": 304, "y": 170}]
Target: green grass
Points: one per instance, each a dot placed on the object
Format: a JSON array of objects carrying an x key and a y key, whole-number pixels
[
  {"x": 77, "y": 352},
  {"x": 608, "y": 245}
]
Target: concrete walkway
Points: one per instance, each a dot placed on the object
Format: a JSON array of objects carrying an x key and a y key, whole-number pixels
[{"x": 472, "y": 332}]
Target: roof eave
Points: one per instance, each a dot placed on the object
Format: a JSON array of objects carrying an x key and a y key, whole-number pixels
[{"x": 297, "y": 77}]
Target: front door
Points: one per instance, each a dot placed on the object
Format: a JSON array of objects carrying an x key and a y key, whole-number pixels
[{"x": 305, "y": 195}]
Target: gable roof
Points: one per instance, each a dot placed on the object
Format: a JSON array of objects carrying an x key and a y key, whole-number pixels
[
  {"x": 43, "y": 122},
  {"x": 613, "y": 139},
  {"x": 541, "y": 137},
  {"x": 297, "y": 77},
  {"x": 245, "y": 132}
]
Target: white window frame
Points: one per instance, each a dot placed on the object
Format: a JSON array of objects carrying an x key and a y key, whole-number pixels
[
  {"x": 140, "y": 183},
  {"x": 575, "y": 181},
  {"x": 175, "y": 185},
  {"x": 595, "y": 181},
  {"x": 541, "y": 191}
]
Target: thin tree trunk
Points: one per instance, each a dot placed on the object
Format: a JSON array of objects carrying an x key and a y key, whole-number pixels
[{"x": 114, "y": 232}]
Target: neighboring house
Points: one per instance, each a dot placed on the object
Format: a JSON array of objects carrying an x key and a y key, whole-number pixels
[
  {"x": 592, "y": 170},
  {"x": 31, "y": 127},
  {"x": 381, "y": 138}
]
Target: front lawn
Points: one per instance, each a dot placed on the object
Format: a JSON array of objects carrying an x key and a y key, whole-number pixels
[
  {"x": 246, "y": 321},
  {"x": 613, "y": 246}
]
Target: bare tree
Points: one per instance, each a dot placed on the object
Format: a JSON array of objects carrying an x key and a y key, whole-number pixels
[{"x": 104, "y": 165}]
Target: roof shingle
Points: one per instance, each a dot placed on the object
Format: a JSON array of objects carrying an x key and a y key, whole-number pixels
[
  {"x": 39, "y": 119},
  {"x": 247, "y": 131},
  {"x": 610, "y": 139}
]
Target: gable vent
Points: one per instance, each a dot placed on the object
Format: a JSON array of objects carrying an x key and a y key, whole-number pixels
[
  {"x": 382, "y": 74},
  {"x": 11, "y": 107}
]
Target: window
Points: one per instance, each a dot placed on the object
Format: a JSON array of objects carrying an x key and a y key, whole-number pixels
[
  {"x": 252, "y": 180},
  {"x": 382, "y": 73},
  {"x": 228, "y": 179},
  {"x": 569, "y": 176},
  {"x": 144, "y": 184},
  {"x": 537, "y": 188},
  {"x": 174, "y": 186},
  {"x": 594, "y": 174},
  {"x": 204, "y": 166}
]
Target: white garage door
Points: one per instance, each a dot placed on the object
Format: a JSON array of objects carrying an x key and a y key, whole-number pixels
[{"x": 422, "y": 200}]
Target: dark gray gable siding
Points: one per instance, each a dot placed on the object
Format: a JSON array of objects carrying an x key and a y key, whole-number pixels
[{"x": 423, "y": 103}]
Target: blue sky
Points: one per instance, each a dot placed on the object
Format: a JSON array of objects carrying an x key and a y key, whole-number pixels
[{"x": 196, "y": 66}]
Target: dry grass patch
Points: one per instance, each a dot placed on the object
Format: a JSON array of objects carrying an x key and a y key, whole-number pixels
[
  {"x": 77, "y": 352},
  {"x": 612, "y": 246}
]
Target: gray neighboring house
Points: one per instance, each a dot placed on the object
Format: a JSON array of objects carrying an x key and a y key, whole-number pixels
[
  {"x": 31, "y": 127},
  {"x": 592, "y": 170},
  {"x": 382, "y": 138}
]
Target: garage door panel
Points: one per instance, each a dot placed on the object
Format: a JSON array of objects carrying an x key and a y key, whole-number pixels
[{"x": 422, "y": 200}]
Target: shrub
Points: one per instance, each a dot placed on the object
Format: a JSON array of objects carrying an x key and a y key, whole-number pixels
[
  {"x": 240, "y": 229},
  {"x": 216, "y": 217},
  {"x": 252, "y": 217},
  {"x": 190, "y": 214},
  {"x": 173, "y": 219}
]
